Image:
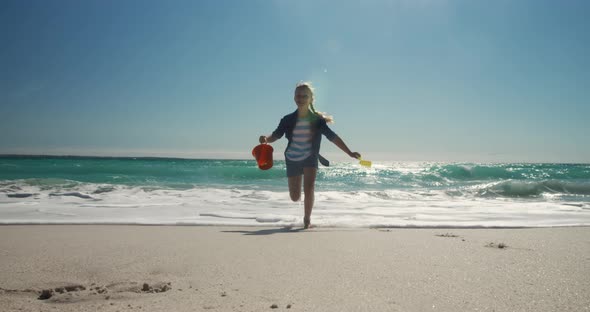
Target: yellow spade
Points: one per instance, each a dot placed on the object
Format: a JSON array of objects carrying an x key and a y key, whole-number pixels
[{"x": 363, "y": 162}]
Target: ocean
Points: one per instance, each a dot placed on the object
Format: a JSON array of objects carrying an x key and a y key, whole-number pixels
[{"x": 168, "y": 191}]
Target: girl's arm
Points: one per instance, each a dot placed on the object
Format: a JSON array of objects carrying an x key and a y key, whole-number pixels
[
  {"x": 338, "y": 142},
  {"x": 277, "y": 134},
  {"x": 267, "y": 139}
]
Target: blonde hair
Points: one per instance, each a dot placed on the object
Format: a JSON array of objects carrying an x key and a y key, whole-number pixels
[{"x": 308, "y": 86}]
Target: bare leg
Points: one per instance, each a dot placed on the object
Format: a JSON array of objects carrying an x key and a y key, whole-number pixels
[
  {"x": 309, "y": 175},
  {"x": 295, "y": 188}
]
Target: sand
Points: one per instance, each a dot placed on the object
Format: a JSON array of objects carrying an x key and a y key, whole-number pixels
[{"x": 184, "y": 268}]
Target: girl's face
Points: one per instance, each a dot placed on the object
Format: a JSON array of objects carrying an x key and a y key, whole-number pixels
[{"x": 303, "y": 97}]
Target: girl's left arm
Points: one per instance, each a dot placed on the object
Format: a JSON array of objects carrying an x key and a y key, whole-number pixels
[{"x": 338, "y": 142}]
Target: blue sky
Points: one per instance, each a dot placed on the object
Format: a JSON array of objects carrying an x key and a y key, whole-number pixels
[{"x": 404, "y": 79}]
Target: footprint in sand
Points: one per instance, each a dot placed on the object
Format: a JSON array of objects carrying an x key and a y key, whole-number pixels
[{"x": 77, "y": 292}]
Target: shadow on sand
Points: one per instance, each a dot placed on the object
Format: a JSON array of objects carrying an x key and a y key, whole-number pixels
[{"x": 269, "y": 231}]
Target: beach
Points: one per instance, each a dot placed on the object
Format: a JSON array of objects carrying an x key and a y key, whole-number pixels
[
  {"x": 218, "y": 268},
  {"x": 167, "y": 155}
]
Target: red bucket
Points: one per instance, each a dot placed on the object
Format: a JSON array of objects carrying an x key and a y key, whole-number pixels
[{"x": 263, "y": 155}]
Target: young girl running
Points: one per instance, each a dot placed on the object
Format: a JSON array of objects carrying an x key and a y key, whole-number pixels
[{"x": 304, "y": 129}]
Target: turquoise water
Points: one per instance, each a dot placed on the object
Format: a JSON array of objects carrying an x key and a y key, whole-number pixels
[
  {"x": 508, "y": 179},
  {"x": 235, "y": 192}
]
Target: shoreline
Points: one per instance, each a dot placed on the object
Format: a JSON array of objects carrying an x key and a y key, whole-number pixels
[
  {"x": 294, "y": 227},
  {"x": 244, "y": 268}
]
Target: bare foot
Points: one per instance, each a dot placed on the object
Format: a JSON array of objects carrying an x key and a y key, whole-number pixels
[{"x": 306, "y": 223}]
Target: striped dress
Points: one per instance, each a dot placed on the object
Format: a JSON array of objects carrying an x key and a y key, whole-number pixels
[{"x": 300, "y": 148}]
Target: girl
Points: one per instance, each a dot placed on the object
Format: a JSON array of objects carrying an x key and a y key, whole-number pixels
[{"x": 304, "y": 129}]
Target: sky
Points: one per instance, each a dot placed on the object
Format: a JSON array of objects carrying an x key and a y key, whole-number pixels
[{"x": 406, "y": 80}]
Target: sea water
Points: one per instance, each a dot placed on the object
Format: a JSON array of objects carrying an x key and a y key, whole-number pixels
[{"x": 94, "y": 190}]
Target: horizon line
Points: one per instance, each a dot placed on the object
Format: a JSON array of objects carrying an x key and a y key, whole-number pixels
[{"x": 16, "y": 155}]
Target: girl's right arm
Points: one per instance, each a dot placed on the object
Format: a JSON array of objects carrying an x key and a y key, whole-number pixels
[
  {"x": 277, "y": 134},
  {"x": 267, "y": 139}
]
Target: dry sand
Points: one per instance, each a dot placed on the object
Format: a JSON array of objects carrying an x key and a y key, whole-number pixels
[{"x": 176, "y": 268}]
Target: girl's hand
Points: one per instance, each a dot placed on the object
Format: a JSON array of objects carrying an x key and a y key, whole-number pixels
[
  {"x": 355, "y": 155},
  {"x": 263, "y": 139}
]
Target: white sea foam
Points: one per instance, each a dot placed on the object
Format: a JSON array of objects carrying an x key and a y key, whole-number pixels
[{"x": 81, "y": 204}]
